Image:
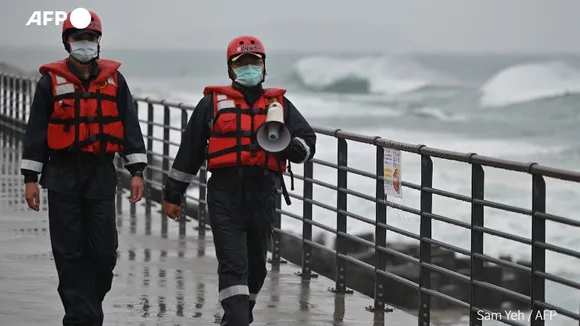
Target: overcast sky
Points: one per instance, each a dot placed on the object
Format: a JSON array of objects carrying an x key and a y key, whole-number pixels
[{"x": 313, "y": 25}]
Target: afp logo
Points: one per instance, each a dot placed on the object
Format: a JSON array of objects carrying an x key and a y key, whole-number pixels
[{"x": 80, "y": 18}]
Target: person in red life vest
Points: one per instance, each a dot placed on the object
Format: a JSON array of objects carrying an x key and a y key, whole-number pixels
[
  {"x": 82, "y": 114},
  {"x": 244, "y": 182}
]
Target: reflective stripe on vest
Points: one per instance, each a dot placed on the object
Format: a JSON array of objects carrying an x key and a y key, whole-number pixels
[{"x": 63, "y": 86}]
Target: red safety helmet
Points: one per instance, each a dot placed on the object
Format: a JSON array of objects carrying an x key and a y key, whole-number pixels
[
  {"x": 95, "y": 25},
  {"x": 242, "y": 45}
]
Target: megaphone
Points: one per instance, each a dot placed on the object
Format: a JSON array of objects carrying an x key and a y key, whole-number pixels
[{"x": 273, "y": 136}]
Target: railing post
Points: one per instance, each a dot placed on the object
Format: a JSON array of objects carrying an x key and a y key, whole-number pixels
[
  {"x": 380, "y": 232},
  {"x": 306, "y": 272},
  {"x": 201, "y": 206},
  {"x": 538, "y": 253},
  {"x": 133, "y": 206},
  {"x": 341, "y": 218},
  {"x": 11, "y": 97},
  {"x": 149, "y": 171},
  {"x": 477, "y": 221},
  {"x": 12, "y": 132},
  {"x": 25, "y": 92},
  {"x": 17, "y": 102},
  {"x": 21, "y": 97},
  {"x": 21, "y": 103},
  {"x": 165, "y": 162},
  {"x": 425, "y": 247},
  {"x": 4, "y": 104},
  {"x": 29, "y": 97},
  {"x": 276, "y": 236},
  {"x": 182, "y": 220},
  {"x": 2, "y": 94},
  {"x": 16, "y": 106}
]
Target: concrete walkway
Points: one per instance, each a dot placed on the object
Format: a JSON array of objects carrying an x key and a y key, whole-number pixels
[{"x": 160, "y": 279}]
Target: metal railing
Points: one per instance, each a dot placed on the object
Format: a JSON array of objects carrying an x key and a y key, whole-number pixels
[{"x": 16, "y": 94}]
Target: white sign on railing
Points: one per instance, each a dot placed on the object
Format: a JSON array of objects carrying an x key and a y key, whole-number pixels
[{"x": 392, "y": 166}]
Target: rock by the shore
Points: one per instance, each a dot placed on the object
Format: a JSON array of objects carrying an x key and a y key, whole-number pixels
[{"x": 399, "y": 294}]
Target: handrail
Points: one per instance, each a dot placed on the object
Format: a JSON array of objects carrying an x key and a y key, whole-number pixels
[{"x": 477, "y": 280}]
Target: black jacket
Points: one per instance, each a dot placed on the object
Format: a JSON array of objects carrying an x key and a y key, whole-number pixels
[
  {"x": 192, "y": 151},
  {"x": 38, "y": 158}
]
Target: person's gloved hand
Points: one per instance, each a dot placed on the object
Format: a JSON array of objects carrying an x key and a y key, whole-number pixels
[{"x": 295, "y": 152}]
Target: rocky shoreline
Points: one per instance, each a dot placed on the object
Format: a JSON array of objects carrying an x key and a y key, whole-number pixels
[{"x": 402, "y": 296}]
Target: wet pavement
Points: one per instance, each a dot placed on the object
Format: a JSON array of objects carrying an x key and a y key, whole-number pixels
[{"x": 161, "y": 278}]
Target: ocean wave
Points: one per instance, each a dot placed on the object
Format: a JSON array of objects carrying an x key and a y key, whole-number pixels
[
  {"x": 332, "y": 108},
  {"x": 437, "y": 114},
  {"x": 316, "y": 106},
  {"x": 530, "y": 82},
  {"x": 367, "y": 75}
]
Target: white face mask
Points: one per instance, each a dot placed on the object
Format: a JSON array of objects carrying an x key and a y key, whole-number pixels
[{"x": 84, "y": 51}]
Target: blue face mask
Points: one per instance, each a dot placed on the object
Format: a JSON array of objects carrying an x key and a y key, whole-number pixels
[{"x": 249, "y": 75}]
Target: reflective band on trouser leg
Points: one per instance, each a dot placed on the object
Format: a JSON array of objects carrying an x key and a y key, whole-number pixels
[{"x": 233, "y": 290}]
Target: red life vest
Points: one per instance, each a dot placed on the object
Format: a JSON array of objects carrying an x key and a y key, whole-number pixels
[
  {"x": 84, "y": 119},
  {"x": 235, "y": 124}
]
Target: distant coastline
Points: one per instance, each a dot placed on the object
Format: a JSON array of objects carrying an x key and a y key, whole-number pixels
[{"x": 8, "y": 68}]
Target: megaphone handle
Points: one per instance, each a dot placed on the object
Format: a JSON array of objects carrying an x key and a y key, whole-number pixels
[
  {"x": 291, "y": 176},
  {"x": 285, "y": 192},
  {"x": 282, "y": 183}
]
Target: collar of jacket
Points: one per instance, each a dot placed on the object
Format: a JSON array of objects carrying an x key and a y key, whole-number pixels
[{"x": 251, "y": 94}]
